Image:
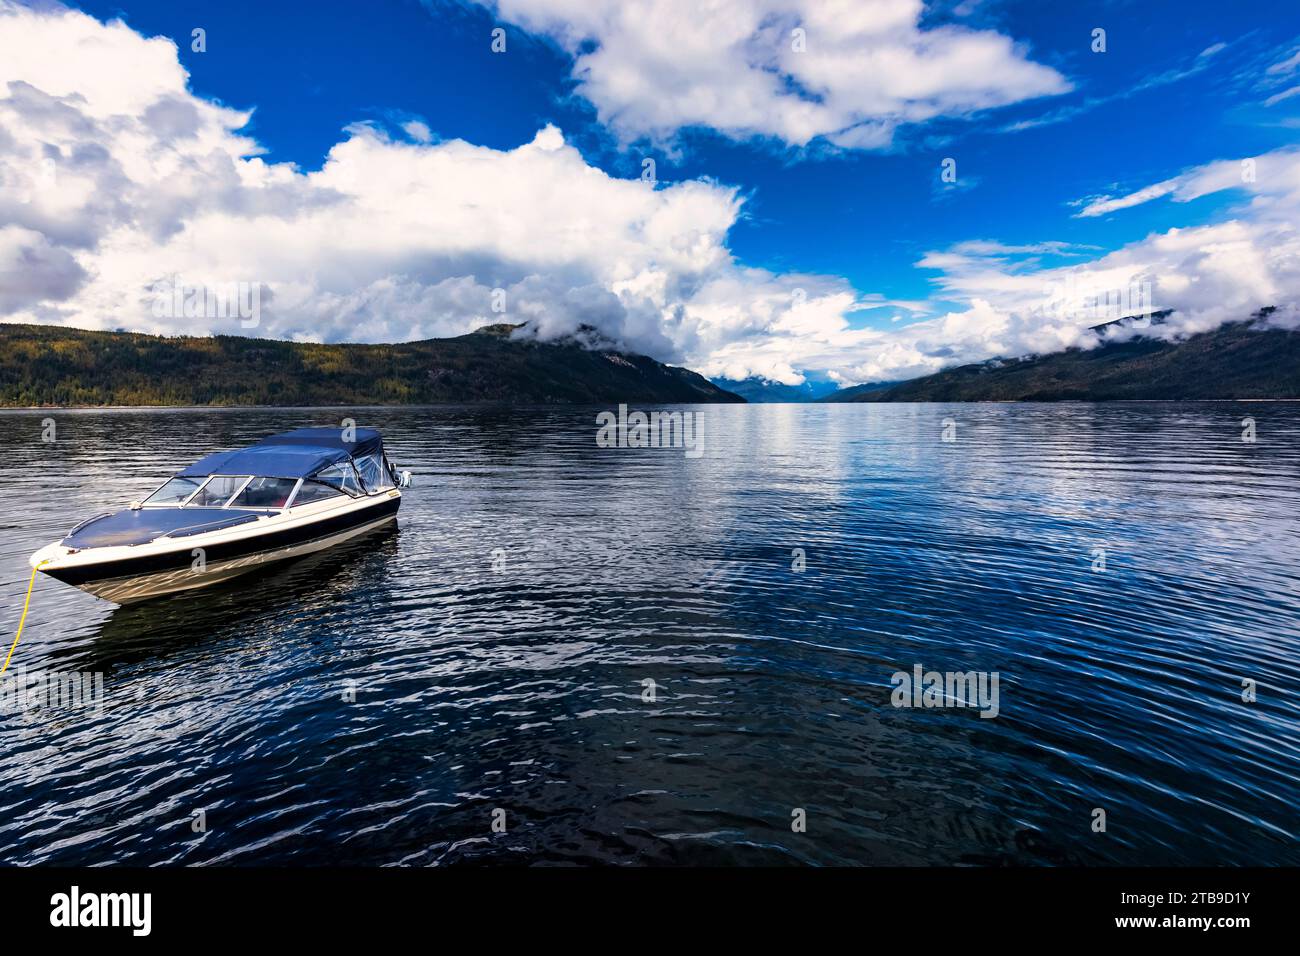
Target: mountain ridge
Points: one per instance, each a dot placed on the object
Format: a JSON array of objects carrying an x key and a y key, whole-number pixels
[
  {"x": 57, "y": 366},
  {"x": 1237, "y": 360},
  {"x": 759, "y": 390}
]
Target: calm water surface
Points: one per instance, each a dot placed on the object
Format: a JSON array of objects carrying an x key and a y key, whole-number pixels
[{"x": 522, "y": 688}]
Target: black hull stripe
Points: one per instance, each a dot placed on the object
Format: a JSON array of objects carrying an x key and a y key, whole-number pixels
[{"x": 227, "y": 550}]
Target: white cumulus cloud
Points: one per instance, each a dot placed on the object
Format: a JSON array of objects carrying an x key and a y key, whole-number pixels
[
  {"x": 117, "y": 179},
  {"x": 851, "y": 71}
]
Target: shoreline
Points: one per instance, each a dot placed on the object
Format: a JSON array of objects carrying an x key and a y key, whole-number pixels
[{"x": 472, "y": 404}]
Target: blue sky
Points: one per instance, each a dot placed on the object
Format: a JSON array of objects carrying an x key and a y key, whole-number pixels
[
  {"x": 865, "y": 216},
  {"x": 1179, "y": 86}
]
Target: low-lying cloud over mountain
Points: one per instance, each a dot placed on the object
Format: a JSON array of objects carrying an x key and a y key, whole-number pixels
[{"x": 120, "y": 183}]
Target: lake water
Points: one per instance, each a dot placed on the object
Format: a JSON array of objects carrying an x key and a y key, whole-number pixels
[{"x": 1122, "y": 568}]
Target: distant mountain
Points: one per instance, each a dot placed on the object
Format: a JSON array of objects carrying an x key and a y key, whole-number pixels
[
  {"x": 1239, "y": 360},
  {"x": 763, "y": 390},
  {"x": 851, "y": 393},
  {"x": 52, "y": 365}
]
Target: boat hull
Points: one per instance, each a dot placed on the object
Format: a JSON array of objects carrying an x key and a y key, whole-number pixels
[{"x": 130, "y": 580}]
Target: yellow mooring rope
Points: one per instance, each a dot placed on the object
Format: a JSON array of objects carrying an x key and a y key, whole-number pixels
[{"x": 23, "y": 619}]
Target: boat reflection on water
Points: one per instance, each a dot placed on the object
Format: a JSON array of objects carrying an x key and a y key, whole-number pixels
[{"x": 315, "y": 583}]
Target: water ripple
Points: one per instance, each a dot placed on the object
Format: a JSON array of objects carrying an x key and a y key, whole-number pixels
[{"x": 377, "y": 703}]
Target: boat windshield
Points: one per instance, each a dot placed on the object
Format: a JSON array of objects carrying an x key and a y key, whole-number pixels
[
  {"x": 218, "y": 490},
  {"x": 374, "y": 471},
  {"x": 341, "y": 476},
  {"x": 313, "y": 491},
  {"x": 175, "y": 492},
  {"x": 265, "y": 493}
]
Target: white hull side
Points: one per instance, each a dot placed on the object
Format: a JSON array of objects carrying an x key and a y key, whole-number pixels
[{"x": 142, "y": 587}]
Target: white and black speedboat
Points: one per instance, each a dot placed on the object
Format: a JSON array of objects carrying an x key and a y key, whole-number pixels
[{"x": 233, "y": 512}]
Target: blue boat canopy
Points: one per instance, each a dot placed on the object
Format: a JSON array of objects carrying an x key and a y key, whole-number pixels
[
  {"x": 296, "y": 454},
  {"x": 362, "y": 441}
]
